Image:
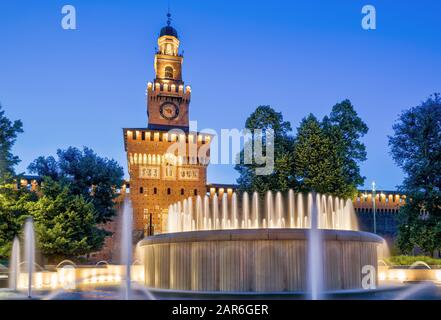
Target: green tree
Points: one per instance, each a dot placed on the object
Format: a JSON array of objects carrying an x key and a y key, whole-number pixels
[
  {"x": 88, "y": 175},
  {"x": 416, "y": 230},
  {"x": 65, "y": 223},
  {"x": 77, "y": 195},
  {"x": 318, "y": 165},
  {"x": 8, "y": 135},
  {"x": 281, "y": 179},
  {"x": 13, "y": 213},
  {"x": 322, "y": 157},
  {"x": 416, "y": 148},
  {"x": 346, "y": 129},
  {"x": 11, "y": 200}
]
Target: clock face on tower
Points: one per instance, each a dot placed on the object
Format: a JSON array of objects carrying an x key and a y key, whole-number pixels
[{"x": 169, "y": 110}]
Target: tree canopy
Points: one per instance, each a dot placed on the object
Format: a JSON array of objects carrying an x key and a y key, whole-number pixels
[
  {"x": 13, "y": 212},
  {"x": 65, "y": 223},
  {"x": 324, "y": 156},
  {"x": 76, "y": 197},
  {"x": 317, "y": 164},
  {"x": 8, "y": 135},
  {"x": 282, "y": 178},
  {"x": 11, "y": 201},
  {"x": 86, "y": 174},
  {"x": 346, "y": 129},
  {"x": 416, "y": 148}
]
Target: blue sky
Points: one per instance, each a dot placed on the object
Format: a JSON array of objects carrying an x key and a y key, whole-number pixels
[{"x": 82, "y": 87}]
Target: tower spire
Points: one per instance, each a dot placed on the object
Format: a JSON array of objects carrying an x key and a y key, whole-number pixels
[{"x": 169, "y": 15}]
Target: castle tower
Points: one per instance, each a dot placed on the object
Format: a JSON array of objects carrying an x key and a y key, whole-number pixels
[
  {"x": 168, "y": 100},
  {"x": 166, "y": 162}
]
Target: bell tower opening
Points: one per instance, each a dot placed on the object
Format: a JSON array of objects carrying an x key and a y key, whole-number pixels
[{"x": 168, "y": 72}]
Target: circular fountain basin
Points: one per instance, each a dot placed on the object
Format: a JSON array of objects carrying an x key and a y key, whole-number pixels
[{"x": 257, "y": 260}]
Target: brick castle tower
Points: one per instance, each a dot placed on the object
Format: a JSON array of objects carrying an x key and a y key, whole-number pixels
[{"x": 166, "y": 162}]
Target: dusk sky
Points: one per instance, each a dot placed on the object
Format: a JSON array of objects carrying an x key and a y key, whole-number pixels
[{"x": 81, "y": 87}]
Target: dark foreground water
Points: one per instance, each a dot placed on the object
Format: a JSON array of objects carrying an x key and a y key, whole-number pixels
[
  {"x": 414, "y": 291},
  {"x": 411, "y": 291}
]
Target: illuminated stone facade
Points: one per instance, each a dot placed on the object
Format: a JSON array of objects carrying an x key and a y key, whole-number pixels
[{"x": 166, "y": 162}]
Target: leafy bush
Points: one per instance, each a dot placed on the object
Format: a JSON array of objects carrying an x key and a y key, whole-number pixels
[{"x": 409, "y": 260}]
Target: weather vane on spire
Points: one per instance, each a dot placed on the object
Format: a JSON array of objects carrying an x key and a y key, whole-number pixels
[{"x": 169, "y": 15}]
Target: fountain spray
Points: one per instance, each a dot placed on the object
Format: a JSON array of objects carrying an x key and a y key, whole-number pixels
[
  {"x": 315, "y": 252},
  {"x": 126, "y": 246},
  {"x": 279, "y": 212},
  {"x": 14, "y": 265},
  {"x": 29, "y": 236}
]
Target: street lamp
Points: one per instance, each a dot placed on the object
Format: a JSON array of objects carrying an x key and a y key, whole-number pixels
[
  {"x": 374, "y": 206},
  {"x": 151, "y": 228}
]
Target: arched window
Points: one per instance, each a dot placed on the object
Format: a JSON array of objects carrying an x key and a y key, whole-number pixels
[
  {"x": 169, "y": 72},
  {"x": 141, "y": 190},
  {"x": 195, "y": 192},
  {"x": 182, "y": 192},
  {"x": 155, "y": 191},
  {"x": 168, "y": 191}
]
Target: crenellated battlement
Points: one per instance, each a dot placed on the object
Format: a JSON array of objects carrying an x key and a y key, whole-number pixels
[
  {"x": 139, "y": 135},
  {"x": 385, "y": 201},
  {"x": 158, "y": 88}
]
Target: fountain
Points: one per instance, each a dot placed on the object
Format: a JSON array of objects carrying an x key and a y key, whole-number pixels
[
  {"x": 304, "y": 243},
  {"x": 29, "y": 237},
  {"x": 126, "y": 247},
  {"x": 224, "y": 213},
  {"x": 66, "y": 276},
  {"x": 66, "y": 262},
  {"x": 420, "y": 265},
  {"x": 14, "y": 265},
  {"x": 274, "y": 243},
  {"x": 315, "y": 251},
  {"x": 102, "y": 263}
]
